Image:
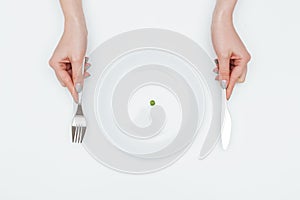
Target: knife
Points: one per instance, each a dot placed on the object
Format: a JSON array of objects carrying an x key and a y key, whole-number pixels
[
  {"x": 224, "y": 132},
  {"x": 226, "y": 119}
]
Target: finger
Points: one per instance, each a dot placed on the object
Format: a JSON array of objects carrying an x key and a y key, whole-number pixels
[
  {"x": 216, "y": 70},
  {"x": 57, "y": 66},
  {"x": 242, "y": 78},
  {"x": 232, "y": 62},
  {"x": 60, "y": 80},
  {"x": 68, "y": 66},
  {"x": 224, "y": 69},
  {"x": 87, "y": 66},
  {"x": 67, "y": 80},
  {"x": 231, "y": 67},
  {"x": 234, "y": 76},
  {"x": 70, "y": 72},
  {"x": 238, "y": 61},
  {"x": 77, "y": 74},
  {"x": 86, "y": 75}
]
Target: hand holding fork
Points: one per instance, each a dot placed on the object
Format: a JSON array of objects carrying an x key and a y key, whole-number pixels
[{"x": 79, "y": 123}]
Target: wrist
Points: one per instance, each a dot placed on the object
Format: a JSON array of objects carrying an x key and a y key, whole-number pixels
[
  {"x": 76, "y": 22},
  {"x": 224, "y": 10}
]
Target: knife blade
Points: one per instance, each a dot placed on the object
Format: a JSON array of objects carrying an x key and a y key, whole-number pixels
[{"x": 226, "y": 122}]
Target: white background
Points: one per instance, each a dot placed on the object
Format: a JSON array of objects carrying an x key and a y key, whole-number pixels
[{"x": 37, "y": 160}]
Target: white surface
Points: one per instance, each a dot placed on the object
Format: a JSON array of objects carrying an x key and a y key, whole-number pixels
[
  {"x": 168, "y": 102},
  {"x": 157, "y": 64},
  {"x": 139, "y": 104},
  {"x": 164, "y": 96},
  {"x": 39, "y": 162}
]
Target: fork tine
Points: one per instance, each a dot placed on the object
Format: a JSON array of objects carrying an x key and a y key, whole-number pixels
[
  {"x": 83, "y": 133},
  {"x": 73, "y": 133},
  {"x": 76, "y": 133},
  {"x": 79, "y": 133}
]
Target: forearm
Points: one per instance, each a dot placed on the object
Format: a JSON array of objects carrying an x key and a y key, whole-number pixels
[
  {"x": 223, "y": 10},
  {"x": 73, "y": 13}
]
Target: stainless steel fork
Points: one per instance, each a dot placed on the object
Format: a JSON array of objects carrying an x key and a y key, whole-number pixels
[
  {"x": 78, "y": 125},
  {"x": 79, "y": 121}
]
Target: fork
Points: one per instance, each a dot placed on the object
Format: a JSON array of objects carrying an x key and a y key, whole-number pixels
[{"x": 79, "y": 121}]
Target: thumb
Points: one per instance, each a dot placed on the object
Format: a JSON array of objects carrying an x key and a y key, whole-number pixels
[
  {"x": 224, "y": 69},
  {"x": 77, "y": 73}
]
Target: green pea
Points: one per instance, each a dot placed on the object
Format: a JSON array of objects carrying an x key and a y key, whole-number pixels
[{"x": 152, "y": 102}]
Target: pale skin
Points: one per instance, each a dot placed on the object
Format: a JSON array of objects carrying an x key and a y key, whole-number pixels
[
  {"x": 68, "y": 57},
  {"x": 232, "y": 54}
]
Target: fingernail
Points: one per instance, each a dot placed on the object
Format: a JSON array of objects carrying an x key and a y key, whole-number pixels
[
  {"x": 87, "y": 76},
  {"x": 217, "y": 77},
  {"x": 78, "y": 87},
  {"x": 88, "y": 65},
  {"x": 223, "y": 84},
  {"x": 76, "y": 100},
  {"x": 216, "y": 71}
]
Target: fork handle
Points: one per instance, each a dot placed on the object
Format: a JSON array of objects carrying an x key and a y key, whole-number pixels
[
  {"x": 79, "y": 97},
  {"x": 80, "y": 86}
]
